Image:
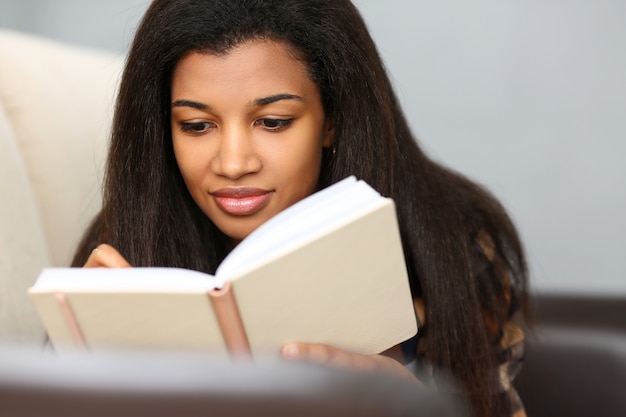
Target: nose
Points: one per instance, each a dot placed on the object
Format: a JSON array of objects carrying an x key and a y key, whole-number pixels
[{"x": 237, "y": 154}]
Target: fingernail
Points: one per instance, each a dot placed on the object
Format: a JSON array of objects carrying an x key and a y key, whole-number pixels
[{"x": 290, "y": 351}]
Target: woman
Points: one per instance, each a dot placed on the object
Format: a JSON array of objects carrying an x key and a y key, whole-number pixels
[{"x": 231, "y": 110}]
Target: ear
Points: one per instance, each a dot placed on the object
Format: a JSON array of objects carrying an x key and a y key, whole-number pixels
[{"x": 329, "y": 134}]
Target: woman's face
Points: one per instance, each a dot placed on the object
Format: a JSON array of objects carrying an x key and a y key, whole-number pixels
[{"x": 248, "y": 130}]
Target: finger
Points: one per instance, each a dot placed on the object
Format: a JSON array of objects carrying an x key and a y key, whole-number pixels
[
  {"x": 327, "y": 355},
  {"x": 106, "y": 256}
]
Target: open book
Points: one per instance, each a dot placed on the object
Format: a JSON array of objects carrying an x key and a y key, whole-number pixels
[{"x": 329, "y": 269}]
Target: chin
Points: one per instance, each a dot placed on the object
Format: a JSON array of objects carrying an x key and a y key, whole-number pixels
[
  {"x": 237, "y": 228},
  {"x": 237, "y": 234}
]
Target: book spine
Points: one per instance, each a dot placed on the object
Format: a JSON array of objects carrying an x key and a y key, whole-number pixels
[
  {"x": 230, "y": 323},
  {"x": 70, "y": 320}
]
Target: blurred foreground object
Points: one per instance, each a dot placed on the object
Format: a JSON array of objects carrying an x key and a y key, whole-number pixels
[
  {"x": 575, "y": 362},
  {"x": 132, "y": 384}
]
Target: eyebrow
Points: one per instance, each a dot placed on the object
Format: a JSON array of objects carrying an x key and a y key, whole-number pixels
[
  {"x": 274, "y": 98},
  {"x": 259, "y": 102},
  {"x": 192, "y": 104}
]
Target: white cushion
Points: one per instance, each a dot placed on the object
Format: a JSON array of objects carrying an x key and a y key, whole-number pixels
[
  {"x": 59, "y": 100},
  {"x": 23, "y": 249},
  {"x": 56, "y": 104}
]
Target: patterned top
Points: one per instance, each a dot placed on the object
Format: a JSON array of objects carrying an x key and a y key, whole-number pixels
[{"x": 510, "y": 358}]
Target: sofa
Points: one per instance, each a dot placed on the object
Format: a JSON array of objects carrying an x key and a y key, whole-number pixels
[
  {"x": 575, "y": 358},
  {"x": 56, "y": 103}
]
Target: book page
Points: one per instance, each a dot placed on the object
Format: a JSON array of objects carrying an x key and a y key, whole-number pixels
[
  {"x": 347, "y": 287},
  {"x": 124, "y": 279},
  {"x": 312, "y": 216},
  {"x": 130, "y": 308}
]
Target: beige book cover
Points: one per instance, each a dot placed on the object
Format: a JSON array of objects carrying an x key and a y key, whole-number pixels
[{"x": 342, "y": 282}]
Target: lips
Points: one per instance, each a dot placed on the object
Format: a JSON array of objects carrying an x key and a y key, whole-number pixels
[{"x": 241, "y": 201}]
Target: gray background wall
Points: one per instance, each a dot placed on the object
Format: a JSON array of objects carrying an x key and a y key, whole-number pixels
[{"x": 526, "y": 96}]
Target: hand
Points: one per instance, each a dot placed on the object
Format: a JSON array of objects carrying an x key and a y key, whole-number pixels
[
  {"x": 328, "y": 355},
  {"x": 106, "y": 256}
]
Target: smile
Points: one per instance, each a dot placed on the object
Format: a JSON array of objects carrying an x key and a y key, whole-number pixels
[{"x": 241, "y": 201}]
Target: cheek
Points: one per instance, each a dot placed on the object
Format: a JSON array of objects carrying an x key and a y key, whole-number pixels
[
  {"x": 297, "y": 160},
  {"x": 306, "y": 151},
  {"x": 191, "y": 164}
]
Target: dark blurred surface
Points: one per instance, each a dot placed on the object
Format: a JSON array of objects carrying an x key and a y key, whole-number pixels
[
  {"x": 575, "y": 362},
  {"x": 156, "y": 385}
]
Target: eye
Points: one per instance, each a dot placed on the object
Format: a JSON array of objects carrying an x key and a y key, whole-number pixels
[
  {"x": 273, "y": 124},
  {"x": 196, "y": 127}
]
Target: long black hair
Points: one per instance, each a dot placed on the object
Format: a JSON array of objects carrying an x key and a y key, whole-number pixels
[{"x": 463, "y": 254}]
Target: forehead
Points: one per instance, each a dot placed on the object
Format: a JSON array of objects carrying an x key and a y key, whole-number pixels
[{"x": 251, "y": 66}]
